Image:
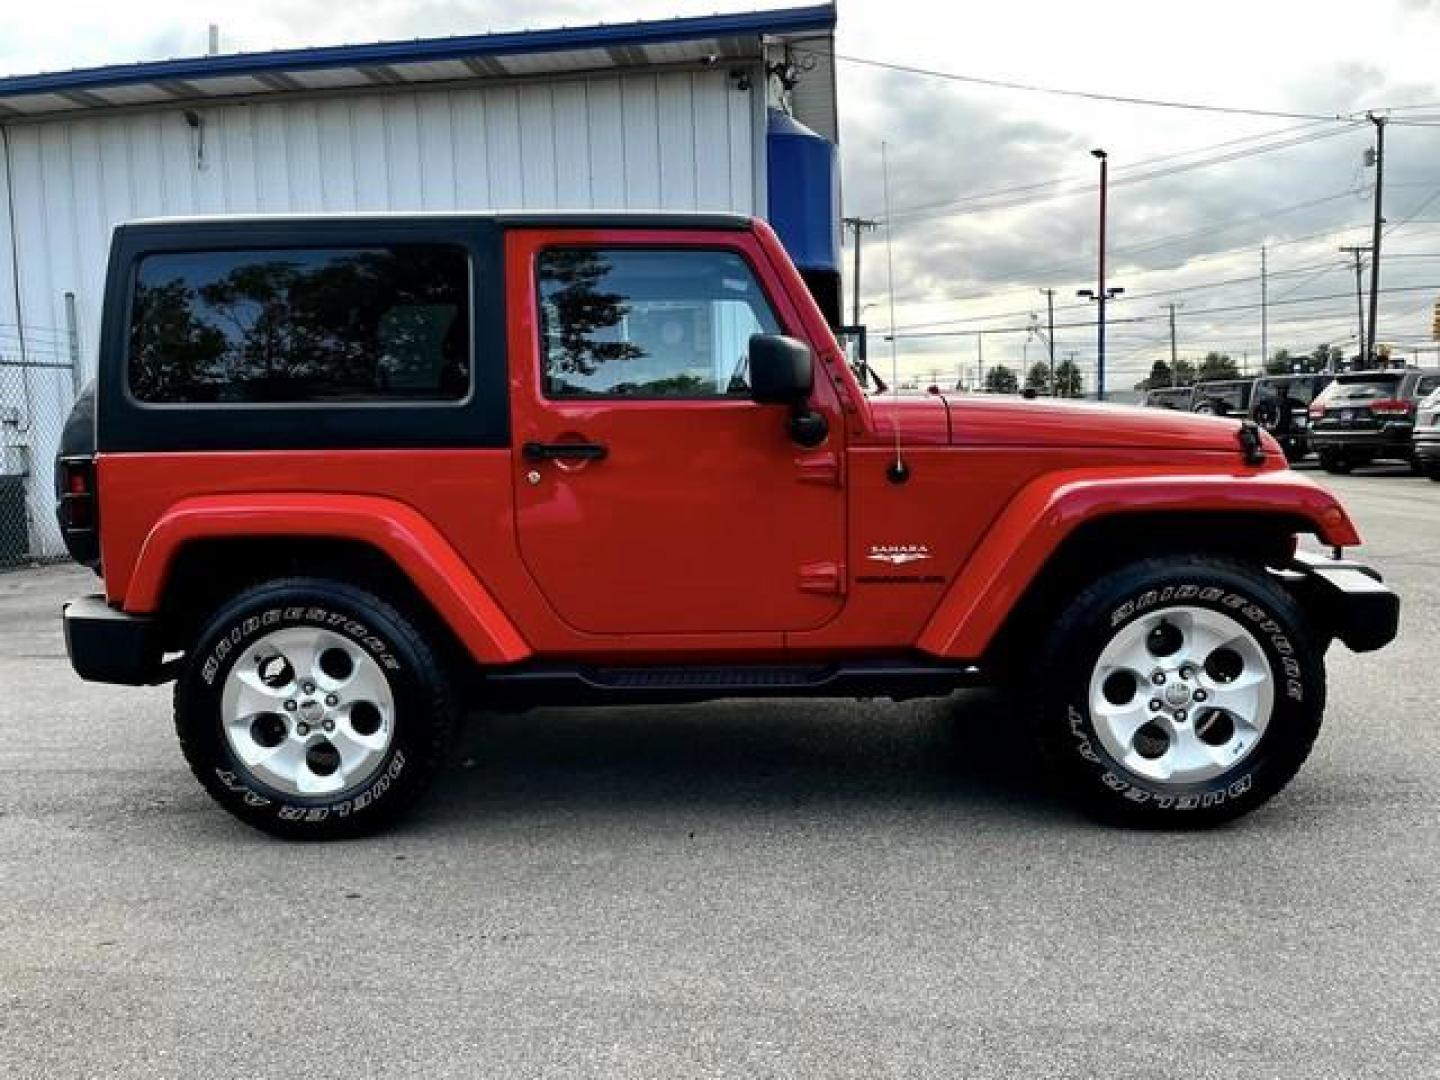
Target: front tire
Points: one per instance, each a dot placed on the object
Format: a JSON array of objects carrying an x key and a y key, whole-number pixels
[
  {"x": 313, "y": 709},
  {"x": 1178, "y": 693}
]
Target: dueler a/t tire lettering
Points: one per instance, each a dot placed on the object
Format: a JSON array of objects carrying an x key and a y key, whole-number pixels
[
  {"x": 424, "y": 706},
  {"x": 1060, "y": 693}
]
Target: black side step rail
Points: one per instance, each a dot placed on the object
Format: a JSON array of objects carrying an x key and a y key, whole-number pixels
[{"x": 561, "y": 685}]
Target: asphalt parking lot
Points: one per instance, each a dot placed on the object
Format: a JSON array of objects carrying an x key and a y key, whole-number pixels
[{"x": 818, "y": 889}]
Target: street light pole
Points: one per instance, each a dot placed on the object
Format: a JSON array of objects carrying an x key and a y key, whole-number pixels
[{"x": 1100, "y": 353}]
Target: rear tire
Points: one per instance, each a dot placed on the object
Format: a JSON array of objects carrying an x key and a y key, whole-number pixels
[
  {"x": 1332, "y": 461},
  {"x": 313, "y": 709},
  {"x": 1237, "y": 712}
]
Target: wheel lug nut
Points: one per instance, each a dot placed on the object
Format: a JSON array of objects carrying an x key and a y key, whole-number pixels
[
  {"x": 1187, "y": 673},
  {"x": 1156, "y": 704},
  {"x": 302, "y": 728},
  {"x": 290, "y": 705},
  {"x": 1200, "y": 695},
  {"x": 329, "y": 725},
  {"x": 308, "y": 687},
  {"x": 1158, "y": 678},
  {"x": 332, "y": 700},
  {"x": 1179, "y": 716}
]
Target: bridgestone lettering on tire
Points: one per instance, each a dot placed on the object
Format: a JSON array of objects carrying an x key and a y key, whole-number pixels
[
  {"x": 313, "y": 709},
  {"x": 1179, "y": 692}
]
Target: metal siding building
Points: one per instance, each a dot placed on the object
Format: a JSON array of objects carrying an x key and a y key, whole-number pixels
[{"x": 659, "y": 115}]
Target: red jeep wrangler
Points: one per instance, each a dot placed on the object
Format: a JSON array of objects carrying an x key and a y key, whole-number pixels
[{"x": 342, "y": 473}]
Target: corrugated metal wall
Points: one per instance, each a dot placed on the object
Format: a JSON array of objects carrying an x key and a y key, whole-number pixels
[
  {"x": 677, "y": 140},
  {"x": 682, "y": 140}
]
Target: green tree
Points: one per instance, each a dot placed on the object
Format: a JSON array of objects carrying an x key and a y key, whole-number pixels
[
  {"x": 1068, "y": 380},
  {"x": 1184, "y": 373},
  {"x": 1282, "y": 363},
  {"x": 1160, "y": 376},
  {"x": 1038, "y": 377},
  {"x": 1001, "y": 380},
  {"x": 1322, "y": 356},
  {"x": 1217, "y": 366}
]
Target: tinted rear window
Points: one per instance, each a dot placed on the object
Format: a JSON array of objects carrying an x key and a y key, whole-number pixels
[
  {"x": 1296, "y": 391},
  {"x": 302, "y": 325},
  {"x": 1367, "y": 388}
]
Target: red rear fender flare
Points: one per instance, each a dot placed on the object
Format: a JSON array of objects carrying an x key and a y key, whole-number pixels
[{"x": 410, "y": 541}]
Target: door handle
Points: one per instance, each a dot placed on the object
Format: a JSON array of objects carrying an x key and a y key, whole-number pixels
[{"x": 553, "y": 451}]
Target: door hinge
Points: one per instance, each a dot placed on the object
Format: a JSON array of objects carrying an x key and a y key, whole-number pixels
[
  {"x": 823, "y": 577},
  {"x": 818, "y": 468}
]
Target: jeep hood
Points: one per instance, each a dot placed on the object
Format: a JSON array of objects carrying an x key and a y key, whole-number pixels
[{"x": 997, "y": 421}]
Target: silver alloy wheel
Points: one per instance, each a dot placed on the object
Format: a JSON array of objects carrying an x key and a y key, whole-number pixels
[
  {"x": 1181, "y": 694},
  {"x": 308, "y": 712}
]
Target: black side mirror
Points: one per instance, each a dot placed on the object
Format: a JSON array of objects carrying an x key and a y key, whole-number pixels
[{"x": 782, "y": 372}]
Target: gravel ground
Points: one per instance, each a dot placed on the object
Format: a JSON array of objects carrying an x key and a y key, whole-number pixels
[{"x": 802, "y": 889}]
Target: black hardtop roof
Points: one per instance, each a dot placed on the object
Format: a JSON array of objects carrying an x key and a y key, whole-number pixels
[{"x": 558, "y": 219}]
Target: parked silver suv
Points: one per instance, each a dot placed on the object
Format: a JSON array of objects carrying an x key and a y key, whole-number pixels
[{"x": 1427, "y": 436}]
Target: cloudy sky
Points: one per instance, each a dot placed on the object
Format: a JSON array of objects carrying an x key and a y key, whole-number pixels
[{"x": 991, "y": 190}]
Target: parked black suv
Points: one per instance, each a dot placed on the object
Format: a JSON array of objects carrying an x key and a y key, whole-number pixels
[
  {"x": 1366, "y": 416},
  {"x": 1223, "y": 397},
  {"x": 1281, "y": 405}
]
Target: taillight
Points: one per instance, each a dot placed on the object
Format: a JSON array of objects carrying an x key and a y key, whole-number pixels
[
  {"x": 1317, "y": 410},
  {"x": 1392, "y": 407},
  {"x": 77, "y": 494}
]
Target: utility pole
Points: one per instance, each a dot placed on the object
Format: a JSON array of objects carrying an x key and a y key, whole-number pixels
[
  {"x": 1103, "y": 293},
  {"x": 1264, "y": 310},
  {"x": 1379, "y": 122},
  {"x": 1357, "y": 250},
  {"x": 857, "y": 225},
  {"x": 1174, "y": 362},
  {"x": 1050, "y": 333}
]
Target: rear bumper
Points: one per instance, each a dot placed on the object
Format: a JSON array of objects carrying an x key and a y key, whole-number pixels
[
  {"x": 1390, "y": 439},
  {"x": 1350, "y": 598},
  {"x": 105, "y": 645}
]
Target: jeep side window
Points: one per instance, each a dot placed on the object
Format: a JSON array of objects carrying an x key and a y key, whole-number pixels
[
  {"x": 638, "y": 323},
  {"x": 293, "y": 325}
]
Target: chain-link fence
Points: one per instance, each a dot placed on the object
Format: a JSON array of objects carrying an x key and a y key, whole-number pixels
[{"x": 39, "y": 371}]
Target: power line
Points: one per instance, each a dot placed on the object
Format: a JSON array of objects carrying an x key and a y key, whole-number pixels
[
  {"x": 967, "y": 203},
  {"x": 1091, "y": 95},
  {"x": 1134, "y": 166},
  {"x": 909, "y": 333}
]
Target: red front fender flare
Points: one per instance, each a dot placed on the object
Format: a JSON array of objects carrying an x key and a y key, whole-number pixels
[
  {"x": 401, "y": 533},
  {"x": 1051, "y": 507}
]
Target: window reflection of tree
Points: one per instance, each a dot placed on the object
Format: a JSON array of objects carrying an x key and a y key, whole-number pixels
[
  {"x": 575, "y": 310},
  {"x": 278, "y": 328}
]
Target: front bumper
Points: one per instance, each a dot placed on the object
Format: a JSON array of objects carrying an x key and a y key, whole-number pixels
[
  {"x": 111, "y": 646},
  {"x": 1350, "y": 598}
]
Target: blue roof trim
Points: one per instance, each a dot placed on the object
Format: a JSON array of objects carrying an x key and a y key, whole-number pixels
[{"x": 779, "y": 21}]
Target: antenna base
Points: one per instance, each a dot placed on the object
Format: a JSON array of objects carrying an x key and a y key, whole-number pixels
[{"x": 897, "y": 472}]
